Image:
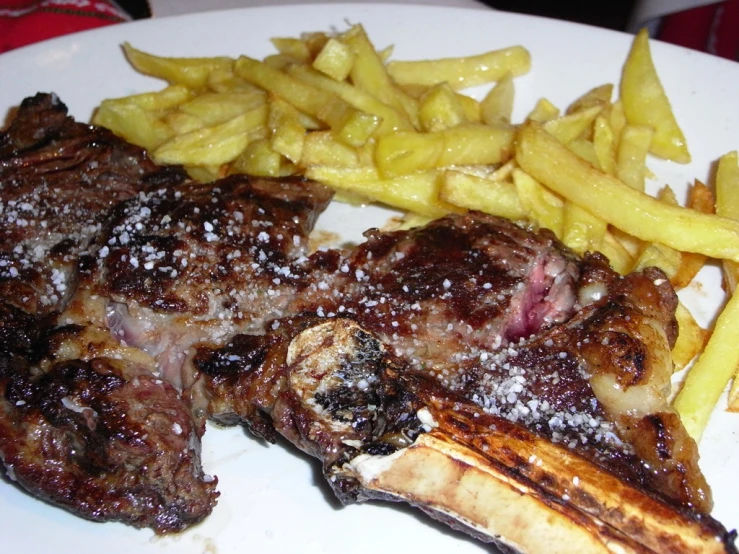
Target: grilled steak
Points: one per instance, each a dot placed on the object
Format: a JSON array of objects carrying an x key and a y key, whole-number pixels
[
  {"x": 467, "y": 355},
  {"x": 85, "y": 422}
]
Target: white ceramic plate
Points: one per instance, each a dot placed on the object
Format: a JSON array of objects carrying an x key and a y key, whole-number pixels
[{"x": 273, "y": 499}]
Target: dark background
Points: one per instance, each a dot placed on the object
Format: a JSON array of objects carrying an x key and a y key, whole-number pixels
[{"x": 612, "y": 14}]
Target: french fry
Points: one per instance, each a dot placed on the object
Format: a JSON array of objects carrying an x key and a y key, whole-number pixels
[
  {"x": 700, "y": 198},
  {"x": 335, "y": 60},
  {"x": 581, "y": 230},
  {"x": 165, "y": 99},
  {"x": 734, "y": 396},
  {"x": 370, "y": 74},
  {"x": 287, "y": 134},
  {"x": 542, "y": 206},
  {"x": 604, "y": 144},
  {"x": 727, "y": 205},
  {"x": 619, "y": 258},
  {"x": 216, "y": 107},
  {"x": 190, "y": 72},
  {"x": 645, "y": 102},
  {"x": 598, "y": 96},
  {"x": 224, "y": 80},
  {"x": 473, "y": 143},
  {"x": 568, "y": 127},
  {"x": 497, "y": 105},
  {"x": 645, "y": 217},
  {"x": 632, "y": 155},
  {"x": 417, "y": 192},
  {"x": 296, "y": 48},
  {"x": 691, "y": 338},
  {"x": 440, "y": 108},
  {"x": 710, "y": 374},
  {"x": 322, "y": 148},
  {"x": 585, "y": 149},
  {"x": 463, "y": 72},
  {"x": 543, "y": 111},
  {"x": 391, "y": 119},
  {"x": 214, "y": 145},
  {"x": 129, "y": 120},
  {"x": 477, "y": 193},
  {"x": 351, "y": 124},
  {"x": 258, "y": 158}
]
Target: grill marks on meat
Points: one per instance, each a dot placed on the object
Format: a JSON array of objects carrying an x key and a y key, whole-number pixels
[
  {"x": 59, "y": 178},
  {"x": 459, "y": 285},
  {"x": 84, "y": 421},
  {"x": 103, "y": 437}
]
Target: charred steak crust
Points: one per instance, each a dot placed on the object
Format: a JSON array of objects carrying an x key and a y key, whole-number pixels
[{"x": 84, "y": 422}]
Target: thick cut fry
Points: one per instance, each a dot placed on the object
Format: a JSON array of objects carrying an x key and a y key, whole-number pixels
[
  {"x": 543, "y": 207},
  {"x": 370, "y": 74},
  {"x": 711, "y": 373},
  {"x": 463, "y": 72},
  {"x": 661, "y": 256},
  {"x": 598, "y": 96},
  {"x": 734, "y": 396},
  {"x": 288, "y": 135},
  {"x": 216, "y": 107},
  {"x": 604, "y": 144},
  {"x": 440, "y": 108},
  {"x": 335, "y": 60},
  {"x": 191, "y": 72},
  {"x": 132, "y": 122},
  {"x": 632, "y": 155},
  {"x": 568, "y": 127},
  {"x": 620, "y": 258},
  {"x": 474, "y": 143},
  {"x": 214, "y": 145},
  {"x": 224, "y": 80},
  {"x": 645, "y": 217},
  {"x": 477, "y": 193},
  {"x": 700, "y": 198},
  {"x": 392, "y": 119},
  {"x": 418, "y": 192},
  {"x": 258, "y": 158},
  {"x": 325, "y": 106},
  {"x": 585, "y": 149},
  {"x": 582, "y": 231},
  {"x": 645, "y": 102},
  {"x": 165, "y": 99},
  {"x": 497, "y": 105},
  {"x": 727, "y": 205},
  {"x": 293, "y": 47},
  {"x": 691, "y": 338},
  {"x": 543, "y": 111},
  {"x": 322, "y": 148}
]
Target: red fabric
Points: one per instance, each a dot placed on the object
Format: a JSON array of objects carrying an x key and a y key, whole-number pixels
[
  {"x": 24, "y": 22},
  {"x": 713, "y": 29}
]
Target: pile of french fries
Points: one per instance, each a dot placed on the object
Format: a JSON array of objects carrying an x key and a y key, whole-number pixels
[{"x": 333, "y": 108}]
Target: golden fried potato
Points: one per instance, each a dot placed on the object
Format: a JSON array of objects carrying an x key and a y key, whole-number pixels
[
  {"x": 468, "y": 144},
  {"x": 497, "y": 105},
  {"x": 190, "y": 72},
  {"x": 463, "y": 72},
  {"x": 712, "y": 371},
  {"x": 335, "y": 59},
  {"x": 478, "y": 193},
  {"x": 645, "y": 102},
  {"x": 691, "y": 338},
  {"x": 727, "y": 205},
  {"x": 645, "y": 217}
]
